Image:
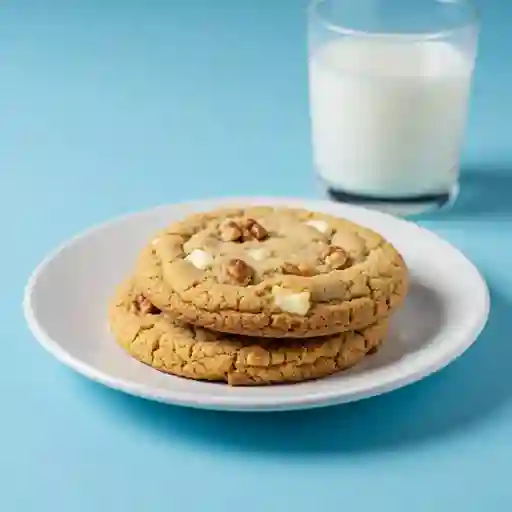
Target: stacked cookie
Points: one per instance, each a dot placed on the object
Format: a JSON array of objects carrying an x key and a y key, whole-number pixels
[{"x": 259, "y": 296}]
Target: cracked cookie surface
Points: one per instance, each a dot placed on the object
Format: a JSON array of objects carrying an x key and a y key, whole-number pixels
[
  {"x": 192, "y": 352},
  {"x": 274, "y": 272}
]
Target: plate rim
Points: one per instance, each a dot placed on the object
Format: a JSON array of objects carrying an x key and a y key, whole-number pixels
[{"x": 322, "y": 398}]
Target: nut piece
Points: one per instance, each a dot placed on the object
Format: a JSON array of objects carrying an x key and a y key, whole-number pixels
[
  {"x": 246, "y": 235},
  {"x": 291, "y": 302},
  {"x": 335, "y": 257},
  {"x": 142, "y": 305},
  {"x": 297, "y": 270},
  {"x": 319, "y": 225},
  {"x": 230, "y": 231},
  {"x": 236, "y": 271},
  {"x": 200, "y": 259},
  {"x": 255, "y": 229}
]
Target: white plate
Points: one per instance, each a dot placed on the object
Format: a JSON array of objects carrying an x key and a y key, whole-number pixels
[{"x": 66, "y": 299}]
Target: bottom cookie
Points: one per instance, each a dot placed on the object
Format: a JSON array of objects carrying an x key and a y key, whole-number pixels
[{"x": 150, "y": 336}]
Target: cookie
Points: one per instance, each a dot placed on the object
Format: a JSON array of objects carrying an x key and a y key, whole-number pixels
[
  {"x": 186, "y": 351},
  {"x": 273, "y": 272}
]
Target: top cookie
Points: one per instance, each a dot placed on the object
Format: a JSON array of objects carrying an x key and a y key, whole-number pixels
[{"x": 275, "y": 272}]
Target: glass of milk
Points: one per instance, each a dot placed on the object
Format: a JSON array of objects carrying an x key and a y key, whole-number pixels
[{"x": 389, "y": 83}]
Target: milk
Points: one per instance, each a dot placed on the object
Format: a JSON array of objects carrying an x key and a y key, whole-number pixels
[{"x": 388, "y": 115}]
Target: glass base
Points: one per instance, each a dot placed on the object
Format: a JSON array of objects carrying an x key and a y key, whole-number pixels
[{"x": 399, "y": 206}]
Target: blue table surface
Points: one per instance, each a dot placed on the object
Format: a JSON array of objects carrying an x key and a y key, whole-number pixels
[{"x": 111, "y": 106}]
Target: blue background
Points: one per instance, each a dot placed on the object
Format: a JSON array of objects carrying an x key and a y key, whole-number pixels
[{"x": 113, "y": 106}]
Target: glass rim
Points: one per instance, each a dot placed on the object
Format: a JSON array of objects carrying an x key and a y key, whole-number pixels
[{"x": 473, "y": 21}]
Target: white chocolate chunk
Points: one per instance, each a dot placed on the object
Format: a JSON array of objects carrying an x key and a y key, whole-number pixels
[
  {"x": 258, "y": 254},
  {"x": 155, "y": 242},
  {"x": 200, "y": 259},
  {"x": 291, "y": 302},
  {"x": 319, "y": 225}
]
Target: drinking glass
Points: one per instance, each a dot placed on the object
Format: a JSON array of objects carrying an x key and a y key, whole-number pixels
[{"x": 389, "y": 82}]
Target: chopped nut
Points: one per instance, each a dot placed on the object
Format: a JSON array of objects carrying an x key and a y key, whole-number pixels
[
  {"x": 230, "y": 231},
  {"x": 255, "y": 229},
  {"x": 290, "y": 268},
  {"x": 246, "y": 235},
  {"x": 335, "y": 257},
  {"x": 297, "y": 270},
  {"x": 236, "y": 271},
  {"x": 141, "y": 304}
]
